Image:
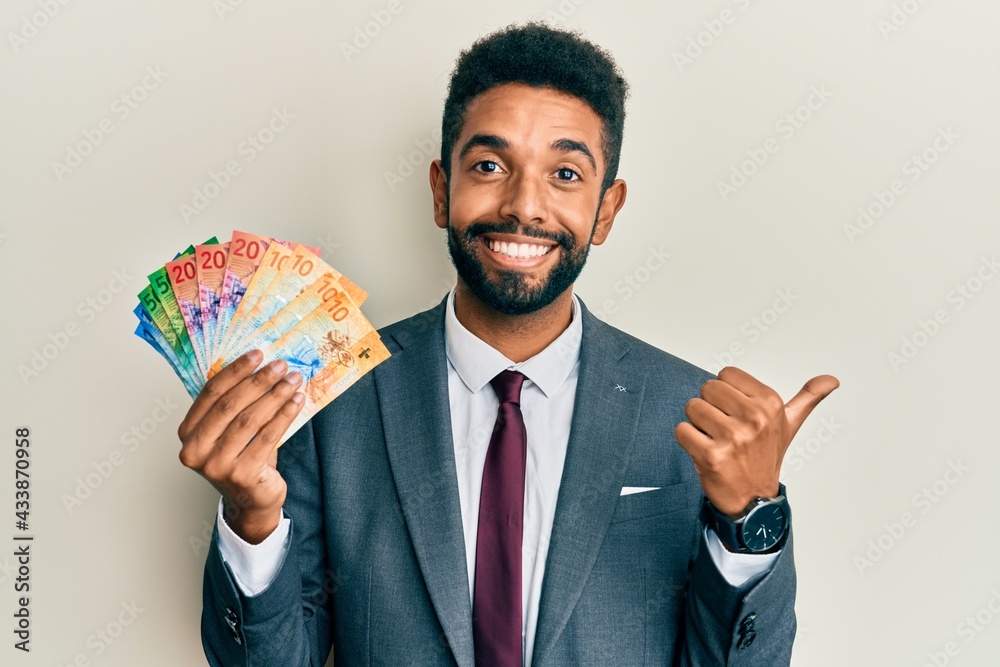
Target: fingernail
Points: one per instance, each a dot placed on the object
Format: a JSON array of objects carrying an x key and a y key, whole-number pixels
[
  {"x": 294, "y": 379},
  {"x": 255, "y": 356},
  {"x": 298, "y": 397},
  {"x": 279, "y": 366}
]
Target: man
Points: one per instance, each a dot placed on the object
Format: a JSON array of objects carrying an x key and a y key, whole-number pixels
[{"x": 396, "y": 527}]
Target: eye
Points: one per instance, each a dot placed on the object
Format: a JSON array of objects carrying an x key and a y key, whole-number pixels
[
  {"x": 488, "y": 166},
  {"x": 567, "y": 174}
]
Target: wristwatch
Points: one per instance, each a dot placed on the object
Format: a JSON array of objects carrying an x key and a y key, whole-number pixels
[{"x": 761, "y": 527}]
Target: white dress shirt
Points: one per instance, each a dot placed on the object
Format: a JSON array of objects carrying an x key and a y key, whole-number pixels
[{"x": 547, "y": 398}]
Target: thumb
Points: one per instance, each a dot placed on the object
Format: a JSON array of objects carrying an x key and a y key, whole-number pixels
[{"x": 803, "y": 403}]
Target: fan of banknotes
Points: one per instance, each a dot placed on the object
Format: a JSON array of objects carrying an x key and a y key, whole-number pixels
[{"x": 216, "y": 301}]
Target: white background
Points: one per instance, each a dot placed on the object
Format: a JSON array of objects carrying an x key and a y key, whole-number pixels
[{"x": 892, "y": 429}]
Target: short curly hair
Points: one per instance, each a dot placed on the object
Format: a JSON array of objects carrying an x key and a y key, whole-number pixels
[{"x": 538, "y": 55}]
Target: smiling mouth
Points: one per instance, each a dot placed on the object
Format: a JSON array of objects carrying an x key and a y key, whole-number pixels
[{"x": 517, "y": 250}]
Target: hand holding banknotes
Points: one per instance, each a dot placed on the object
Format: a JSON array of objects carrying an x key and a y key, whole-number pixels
[
  {"x": 229, "y": 436},
  {"x": 217, "y": 301},
  {"x": 232, "y": 319}
]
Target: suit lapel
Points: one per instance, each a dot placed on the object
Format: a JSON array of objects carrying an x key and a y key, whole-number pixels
[
  {"x": 416, "y": 417},
  {"x": 600, "y": 442}
]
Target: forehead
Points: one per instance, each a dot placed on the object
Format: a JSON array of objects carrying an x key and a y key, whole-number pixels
[{"x": 528, "y": 116}]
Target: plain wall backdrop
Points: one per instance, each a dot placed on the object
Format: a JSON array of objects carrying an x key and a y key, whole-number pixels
[{"x": 822, "y": 177}]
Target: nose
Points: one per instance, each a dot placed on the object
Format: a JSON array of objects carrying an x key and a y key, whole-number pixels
[{"x": 524, "y": 199}]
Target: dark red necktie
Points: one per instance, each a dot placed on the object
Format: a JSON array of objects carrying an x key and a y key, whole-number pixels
[{"x": 496, "y": 606}]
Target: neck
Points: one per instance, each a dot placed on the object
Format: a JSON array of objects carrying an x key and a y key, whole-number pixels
[{"x": 517, "y": 337}]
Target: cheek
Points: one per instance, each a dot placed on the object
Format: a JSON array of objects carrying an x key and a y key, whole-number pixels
[
  {"x": 580, "y": 225},
  {"x": 576, "y": 211},
  {"x": 465, "y": 207}
]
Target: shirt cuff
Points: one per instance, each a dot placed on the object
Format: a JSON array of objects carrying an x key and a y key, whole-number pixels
[
  {"x": 254, "y": 565},
  {"x": 736, "y": 568}
]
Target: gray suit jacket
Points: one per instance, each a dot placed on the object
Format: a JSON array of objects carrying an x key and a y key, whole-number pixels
[{"x": 377, "y": 565}]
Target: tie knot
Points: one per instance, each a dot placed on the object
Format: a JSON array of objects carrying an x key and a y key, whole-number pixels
[{"x": 507, "y": 385}]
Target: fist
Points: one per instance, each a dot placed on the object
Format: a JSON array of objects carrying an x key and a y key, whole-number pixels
[
  {"x": 738, "y": 432},
  {"x": 230, "y": 434}
]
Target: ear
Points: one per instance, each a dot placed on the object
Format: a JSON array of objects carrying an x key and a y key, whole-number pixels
[
  {"x": 612, "y": 202},
  {"x": 439, "y": 190}
]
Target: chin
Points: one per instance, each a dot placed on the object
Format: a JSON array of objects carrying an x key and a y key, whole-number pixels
[{"x": 510, "y": 291}]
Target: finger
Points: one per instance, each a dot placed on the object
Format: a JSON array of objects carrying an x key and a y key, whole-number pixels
[
  {"x": 230, "y": 405},
  {"x": 743, "y": 381},
  {"x": 726, "y": 398},
  {"x": 803, "y": 403},
  {"x": 255, "y": 417},
  {"x": 219, "y": 384},
  {"x": 707, "y": 418},
  {"x": 692, "y": 440},
  {"x": 265, "y": 444}
]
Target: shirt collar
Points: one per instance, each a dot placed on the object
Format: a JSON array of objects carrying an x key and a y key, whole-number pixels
[{"x": 476, "y": 362}]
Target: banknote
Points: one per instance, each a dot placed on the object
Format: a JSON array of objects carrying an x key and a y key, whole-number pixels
[
  {"x": 245, "y": 253},
  {"x": 183, "y": 275},
  {"x": 154, "y": 310},
  {"x": 160, "y": 284},
  {"x": 211, "y": 273}
]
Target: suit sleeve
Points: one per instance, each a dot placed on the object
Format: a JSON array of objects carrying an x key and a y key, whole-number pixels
[
  {"x": 744, "y": 626},
  {"x": 288, "y": 623}
]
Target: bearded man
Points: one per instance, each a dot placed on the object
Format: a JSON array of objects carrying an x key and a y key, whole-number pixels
[{"x": 520, "y": 483}]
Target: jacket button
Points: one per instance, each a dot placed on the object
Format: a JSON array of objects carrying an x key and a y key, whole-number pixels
[
  {"x": 747, "y": 639},
  {"x": 747, "y": 632},
  {"x": 233, "y": 621}
]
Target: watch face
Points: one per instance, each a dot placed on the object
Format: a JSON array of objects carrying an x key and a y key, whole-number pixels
[{"x": 764, "y": 527}]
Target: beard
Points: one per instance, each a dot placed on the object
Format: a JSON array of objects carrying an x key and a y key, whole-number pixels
[{"x": 511, "y": 292}]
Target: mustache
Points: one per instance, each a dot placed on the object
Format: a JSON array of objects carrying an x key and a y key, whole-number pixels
[{"x": 480, "y": 228}]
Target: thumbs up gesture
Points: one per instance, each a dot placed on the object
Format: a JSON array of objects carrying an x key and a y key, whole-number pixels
[{"x": 738, "y": 434}]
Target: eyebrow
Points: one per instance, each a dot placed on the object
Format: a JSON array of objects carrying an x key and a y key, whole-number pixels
[
  {"x": 499, "y": 143},
  {"x": 573, "y": 146},
  {"x": 485, "y": 140}
]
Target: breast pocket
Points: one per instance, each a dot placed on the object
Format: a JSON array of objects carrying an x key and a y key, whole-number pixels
[{"x": 645, "y": 504}]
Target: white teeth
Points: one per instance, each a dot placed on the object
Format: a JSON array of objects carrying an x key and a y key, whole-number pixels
[{"x": 518, "y": 250}]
